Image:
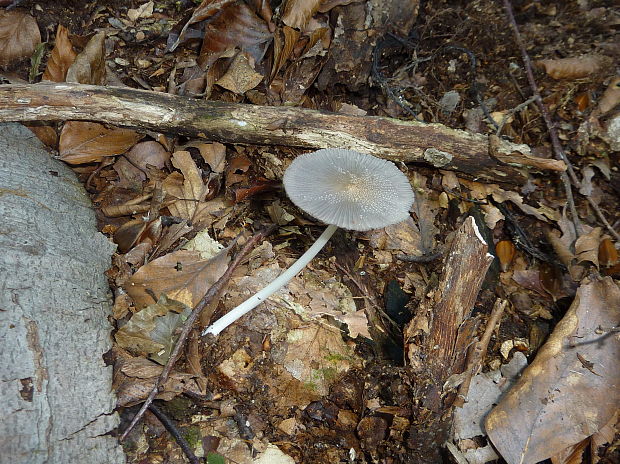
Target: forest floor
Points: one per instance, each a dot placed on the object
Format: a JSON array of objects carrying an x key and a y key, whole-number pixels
[{"x": 325, "y": 371}]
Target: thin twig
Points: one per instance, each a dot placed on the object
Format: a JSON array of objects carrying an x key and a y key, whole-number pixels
[
  {"x": 174, "y": 431},
  {"x": 424, "y": 259},
  {"x": 479, "y": 351},
  {"x": 213, "y": 291},
  {"x": 553, "y": 135},
  {"x": 514, "y": 110}
]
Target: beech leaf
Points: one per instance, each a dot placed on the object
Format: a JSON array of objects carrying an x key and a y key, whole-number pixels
[
  {"x": 19, "y": 35},
  {"x": 181, "y": 275},
  {"x": 88, "y": 142},
  {"x": 570, "y": 390}
]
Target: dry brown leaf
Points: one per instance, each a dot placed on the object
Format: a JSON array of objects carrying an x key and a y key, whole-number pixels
[
  {"x": 137, "y": 337},
  {"x": 122, "y": 306},
  {"x": 586, "y": 246},
  {"x": 133, "y": 168},
  {"x": 297, "y": 13},
  {"x": 323, "y": 296},
  {"x": 61, "y": 58},
  {"x": 205, "y": 10},
  {"x": 237, "y": 170},
  {"x": 570, "y": 390},
  {"x": 149, "y": 152},
  {"x": 241, "y": 75},
  {"x": 143, "y": 11},
  {"x": 573, "y": 454},
  {"x": 556, "y": 282},
  {"x": 19, "y": 35},
  {"x": 235, "y": 26},
  {"x": 529, "y": 279},
  {"x": 610, "y": 98},
  {"x": 505, "y": 251},
  {"x": 138, "y": 232},
  {"x": 214, "y": 155},
  {"x": 129, "y": 177},
  {"x": 188, "y": 187},
  {"x": 481, "y": 191},
  {"x": 181, "y": 276},
  {"x": 134, "y": 378},
  {"x": 88, "y": 142},
  {"x": 564, "y": 252},
  {"x": 607, "y": 253},
  {"x": 284, "y": 41},
  {"x": 317, "y": 356},
  {"x": 605, "y": 435},
  {"x": 573, "y": 68},
  {"x": 586, "y": 183},
  {"x": 169, "y": 237},
  {"x": 45, "y": 133},
  {"x": 89, "y": 65},
  {"x": 413, "y": 236}
]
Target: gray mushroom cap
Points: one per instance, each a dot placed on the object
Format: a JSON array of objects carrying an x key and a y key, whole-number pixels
[{"x": 349, "y": 189}]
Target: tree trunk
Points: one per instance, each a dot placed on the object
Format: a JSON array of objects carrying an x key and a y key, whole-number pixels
[{"x": 55, "y": 386}]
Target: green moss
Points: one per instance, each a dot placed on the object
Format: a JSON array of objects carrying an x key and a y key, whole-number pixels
[{"x": 193, "y": 436}]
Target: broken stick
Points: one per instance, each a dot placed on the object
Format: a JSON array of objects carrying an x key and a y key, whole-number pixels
[{"x": 406, "y": 141}]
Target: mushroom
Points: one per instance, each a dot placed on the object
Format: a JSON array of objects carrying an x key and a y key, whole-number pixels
[{"x": 342, "y": 188}]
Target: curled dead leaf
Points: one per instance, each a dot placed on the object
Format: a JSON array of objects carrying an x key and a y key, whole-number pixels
[
  {"x": 587, "y": 246},
  {"x": 573, "y": 68},
  {"x": 582, "y": 100},
  {"x": 46, "y": 133},
  {"x": 61, "y": 58},
  {"x": 135, "y": 377},
  {"x": 611, "y": 97},
  {"x": 150, "y": 152},
  {"x": 241, "y": 75},
  {"x": 297, "y": 13},
  {"x": 136, "y": 335},
  {"x": 19, "y": 35},
  {"x": 137, "y": 231},
  {"x": 188, "y": 187},
  {"x": 89, "y": 65}
]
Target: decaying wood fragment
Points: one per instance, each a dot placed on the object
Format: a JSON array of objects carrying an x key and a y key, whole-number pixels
[
  {"x": 437, "y": 339},
  {"x": 406, "y": 141},
  {"x": 465, "y": 269}
]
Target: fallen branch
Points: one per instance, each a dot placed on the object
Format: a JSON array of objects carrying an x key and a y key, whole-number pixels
[
  {"x": 213, "y": 291},
  {"x": 407, "y": 141}
]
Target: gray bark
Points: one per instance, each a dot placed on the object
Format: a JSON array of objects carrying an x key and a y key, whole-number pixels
[{"x": 55, "y": 389}]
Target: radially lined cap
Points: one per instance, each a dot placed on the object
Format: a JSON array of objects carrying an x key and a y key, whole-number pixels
[{"x": 349, "y": 189}]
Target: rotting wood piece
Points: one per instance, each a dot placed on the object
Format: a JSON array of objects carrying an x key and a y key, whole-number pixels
[
  {"x": 437, "y": 338},
  {"x": 407, "y": 141},
  {"x": 465, "y": 269}
]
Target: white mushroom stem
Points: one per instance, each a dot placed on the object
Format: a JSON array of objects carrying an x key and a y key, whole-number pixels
[{"x": 273, "y": 287}]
